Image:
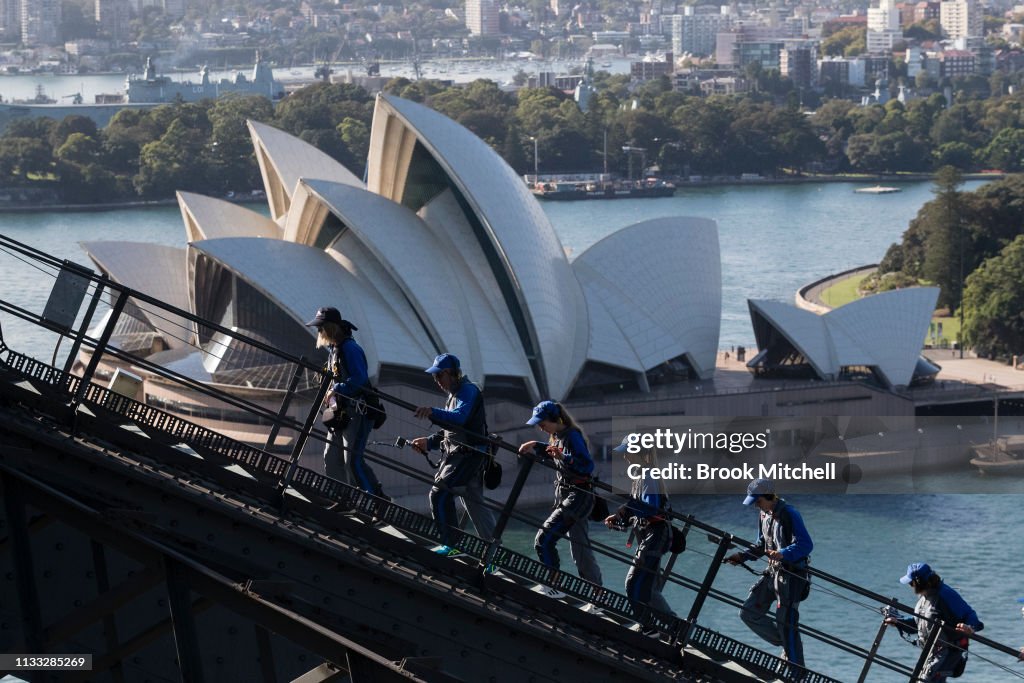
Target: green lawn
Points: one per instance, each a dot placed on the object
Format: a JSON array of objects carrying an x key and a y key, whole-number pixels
[
  {"x": 845, "y": 291},
  {"x": 842, "y": 292}
]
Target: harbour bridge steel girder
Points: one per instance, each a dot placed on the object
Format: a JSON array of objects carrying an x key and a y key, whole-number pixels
[
  {"x": 183, "y": 576},
  {"x": 403, "y": 620}
]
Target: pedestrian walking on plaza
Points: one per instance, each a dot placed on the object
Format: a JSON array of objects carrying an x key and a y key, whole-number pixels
[
  {"x": 783, "y": 539},
  {"x": 464, "y": 452},
  {"x": 574, "y": 491},
  {"x": 937, "y": 601}
]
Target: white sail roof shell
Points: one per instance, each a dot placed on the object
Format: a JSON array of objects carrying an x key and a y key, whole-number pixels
[
  {"x": 889, "y": 328},
  {"x": 438, "y": 286},
  {"x": 884, "y": 331},
  {"x": 804, "y": 330},
  {"x": 210, "y": 218},
  {"x": 539, "y": 282},
  {"x": 654, "y": 291},
  {"x": 303, "y": 277},
  {"x": 494, "y": 337},
  {"x": 284, "y": 158},
  {"x": 153, "y": 269}
]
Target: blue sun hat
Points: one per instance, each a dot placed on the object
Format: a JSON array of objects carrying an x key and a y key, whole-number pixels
[
  {"x": 545, "y": 410},
  {"x": 758, "y": 487},
  {"x": 917, "y": 571},
  {"x": 446, "y": 361}
]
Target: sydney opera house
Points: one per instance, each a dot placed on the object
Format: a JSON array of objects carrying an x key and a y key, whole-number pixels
[{"x": 443, "y": 248}]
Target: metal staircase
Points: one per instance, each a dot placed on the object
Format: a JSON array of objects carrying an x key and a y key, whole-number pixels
[{"x": 169, "y": 551}]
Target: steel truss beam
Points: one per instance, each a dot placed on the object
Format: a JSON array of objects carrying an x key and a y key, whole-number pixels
[
  {"x": 187, "y": 575},
  {"x": 371, "y": 594}
]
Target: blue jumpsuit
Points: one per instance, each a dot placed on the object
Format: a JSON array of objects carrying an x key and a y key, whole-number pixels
[
  {"x": 462, "y": 467},
  {"x": 347, "y": 363},
  {"x": 646, "y": 507},
  {"x": 574, "y": 500},
  {"x": 783, "y": 530}
]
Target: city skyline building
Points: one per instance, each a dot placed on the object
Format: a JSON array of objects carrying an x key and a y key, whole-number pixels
[
  {"x": 960, "y": 18},
  {"x": 10, "y": 18},
  {"x": 112, "y": 17},
  {"x": 482, "y": 17},
  {"x": 40, "y": 22},
  {"x": 883, "y": 27},
  {"x": 695, "y": 31},
  {"x": 799, "y": 62}
]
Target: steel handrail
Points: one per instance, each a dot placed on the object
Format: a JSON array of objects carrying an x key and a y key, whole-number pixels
[{"x": 100, "y": 346}]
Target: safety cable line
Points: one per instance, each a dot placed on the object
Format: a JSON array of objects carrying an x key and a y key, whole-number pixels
[
  {"x": 501, "y": 444},
  {"x": 674, "y": 577},
  {"x": 834, "y": 642}
]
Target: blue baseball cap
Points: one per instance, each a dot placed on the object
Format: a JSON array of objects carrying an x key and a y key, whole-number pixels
[
  {"x": 758, "y": 487},
  {"x": 446, "y": 361},
  {"x": 624, "y": 446},
  {"x": 545, "y": 410},
  {"x": 916, "y": 571}
]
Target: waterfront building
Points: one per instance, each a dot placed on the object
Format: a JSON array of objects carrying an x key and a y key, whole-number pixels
[
  {"x": 875, "y": 66},
  {"x": 500, "y": 293},
  {"x": 875, "y": 339},
  {"x": 482, "y": 17},
  {"x": 585, "y": 90},
  {"x": 40, "y": 22},
  {"x": 961, "y": 18}
]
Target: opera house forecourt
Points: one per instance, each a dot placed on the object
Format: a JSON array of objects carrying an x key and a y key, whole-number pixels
[{"x": 444, "y": 249}]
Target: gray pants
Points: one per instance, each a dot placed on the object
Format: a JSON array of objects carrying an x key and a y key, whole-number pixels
[
  {"x": 461, "y": 475},
  {"x": 344, "y": 455},
  {"x": 942, "y": 663},
  {"x": 786, "y": 590},
  {"x": 643, "y": 582},
  {"x": 571, "y": 517}
]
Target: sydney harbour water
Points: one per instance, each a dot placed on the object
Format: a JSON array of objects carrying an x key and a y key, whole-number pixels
[{"x": 773, "y": 240}]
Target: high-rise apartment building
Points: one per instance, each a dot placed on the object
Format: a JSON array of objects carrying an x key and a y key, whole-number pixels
[
  {"x": 482, "y": 17},
  {"x": 961, "y": 18},
  {"x": 883, "y": 26},
  {"x": 10, "y": 18},
  {"x": 799, "y": 61},
  {"x": 695, "y": 30},
  {"x": 112, "y": 17},
  {"x": 40, "y": 22}
]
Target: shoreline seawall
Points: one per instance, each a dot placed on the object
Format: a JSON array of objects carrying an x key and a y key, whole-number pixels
[
  {"x": 111, "y": 206},
  {"x": 9, "y": 207}
]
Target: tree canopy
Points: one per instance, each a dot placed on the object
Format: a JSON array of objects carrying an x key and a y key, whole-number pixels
[{"x": 994, "y": 304}]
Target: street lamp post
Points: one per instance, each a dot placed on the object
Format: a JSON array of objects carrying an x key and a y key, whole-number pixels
[{"x": 535, "y": 174}]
